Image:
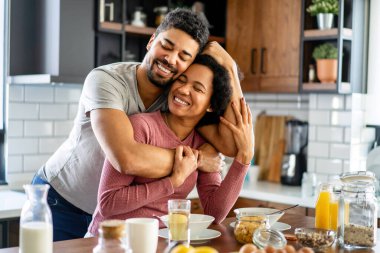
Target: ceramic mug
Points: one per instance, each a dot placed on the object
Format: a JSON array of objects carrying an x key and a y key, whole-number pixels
[{"x": 142, "y": 234}]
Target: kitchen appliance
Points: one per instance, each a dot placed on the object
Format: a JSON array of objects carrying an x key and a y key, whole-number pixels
[{"x": 294, "y": 158}]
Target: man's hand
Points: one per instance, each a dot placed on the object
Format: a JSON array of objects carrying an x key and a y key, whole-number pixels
[
  {"x": 215, "y": 50},
  {"x": 185, "y": 163},
  {"x": 209, "y": 159}
]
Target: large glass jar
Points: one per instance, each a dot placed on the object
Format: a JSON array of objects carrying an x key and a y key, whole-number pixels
[
  {"x": 358, "y": 215},
  {"x": 36, "y": 230},
  {"x": 245, "y": 226}
]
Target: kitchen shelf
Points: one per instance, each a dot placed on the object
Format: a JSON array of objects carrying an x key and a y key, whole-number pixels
[
  {"x": 316, "y": 34},
  {"x": 344, "y": 87},
  {"x": 319, "y": 86},
  {"x": 348, "y": 35},
  {"x": 115, "y": 27}
]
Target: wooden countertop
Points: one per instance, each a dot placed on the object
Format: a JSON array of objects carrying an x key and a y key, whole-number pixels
[{"x": 225, "y": 243}]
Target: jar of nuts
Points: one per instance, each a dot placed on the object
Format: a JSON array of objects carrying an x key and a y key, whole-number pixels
[
  {"x": 245, "y": 227},
  {"x": 358, "y": 214}
]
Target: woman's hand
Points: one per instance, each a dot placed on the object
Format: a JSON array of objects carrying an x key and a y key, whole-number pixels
[
  {"x": 185, "y": 163},
  {"x": 242, "y": 132}
]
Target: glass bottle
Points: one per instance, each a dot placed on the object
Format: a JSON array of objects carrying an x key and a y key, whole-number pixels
[
  {"x": 311, "y": 73},
  {"x": 334, "y": 208},
  {"x": 112, "y": 237},
  {"x": 36, "y": 229},
  {"x": 358, "y": 215},
  {"x": 322, "y": 207}
]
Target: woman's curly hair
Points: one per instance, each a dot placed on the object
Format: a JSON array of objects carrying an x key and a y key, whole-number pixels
[{"x": 221, "y": 84}]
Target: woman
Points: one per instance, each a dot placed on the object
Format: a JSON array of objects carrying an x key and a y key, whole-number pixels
[{"x": 203, "y": 88}]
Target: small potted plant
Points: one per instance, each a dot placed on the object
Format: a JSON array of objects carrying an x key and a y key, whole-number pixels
[
  {"x": 325, "y": 11},
  {"x": 326, "y": 56}
]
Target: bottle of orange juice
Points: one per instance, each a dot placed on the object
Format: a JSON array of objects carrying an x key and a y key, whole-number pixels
[
  {"x": 334, "y": 207},
  {"x": 322, "y": 208}
]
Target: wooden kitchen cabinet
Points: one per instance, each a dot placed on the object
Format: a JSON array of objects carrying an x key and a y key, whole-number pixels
[{"x": 264, "y": 37}]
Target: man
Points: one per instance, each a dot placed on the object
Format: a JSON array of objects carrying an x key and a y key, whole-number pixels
[{"x": 102, "y": 127}]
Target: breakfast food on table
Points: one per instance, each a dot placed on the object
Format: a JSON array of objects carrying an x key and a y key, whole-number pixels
[
  {"x": 184, "y": 249},
  {"x": 245, "y": 227},
  {"x": 250, "y": 248}
]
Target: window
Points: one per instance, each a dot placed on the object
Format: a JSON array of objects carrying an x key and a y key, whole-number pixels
[{"x": 3, "y": 76}]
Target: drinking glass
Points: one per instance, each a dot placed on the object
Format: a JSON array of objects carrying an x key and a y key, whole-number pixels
[{"x": 179, "y": 215}]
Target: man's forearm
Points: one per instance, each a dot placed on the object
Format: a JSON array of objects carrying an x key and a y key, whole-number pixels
[
  {"x": 115, "y": 135},
  {"x": 145, "y": 161}
]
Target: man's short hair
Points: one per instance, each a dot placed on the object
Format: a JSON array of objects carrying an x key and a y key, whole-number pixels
[{"x": 187, "y": 21}]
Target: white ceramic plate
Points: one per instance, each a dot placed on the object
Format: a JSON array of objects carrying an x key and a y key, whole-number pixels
[
  {"x": 280, "y": 226},
  {"x": 206, "y": 235}
]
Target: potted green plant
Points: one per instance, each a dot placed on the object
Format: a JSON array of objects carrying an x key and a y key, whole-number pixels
[
  {"x": 325, "y": 11},
  {"x": 326, "y": 56}
]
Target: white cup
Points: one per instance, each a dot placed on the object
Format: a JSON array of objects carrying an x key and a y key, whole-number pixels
[{"x": 142, "y": 234}]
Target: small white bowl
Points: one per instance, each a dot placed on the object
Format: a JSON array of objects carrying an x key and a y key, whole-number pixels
[
  {"x": 254, "y": 211},
  {"x": 197, "y": 222}
]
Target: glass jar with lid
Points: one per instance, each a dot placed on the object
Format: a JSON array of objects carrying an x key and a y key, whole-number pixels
[
  {"x": 247, "y": 224},
  {"x": 358, "y": 211},
  {"x": 112, "y": 237}
]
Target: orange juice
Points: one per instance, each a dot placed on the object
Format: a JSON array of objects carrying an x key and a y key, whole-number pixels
[
  {"x": 322, "y": 209},
  {"x": 334, "y": 207}
]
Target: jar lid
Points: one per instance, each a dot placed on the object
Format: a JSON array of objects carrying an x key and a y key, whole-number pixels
[
  {"x": 264, "y": 237},
  {"x": 359, "y": 187},
  {"x": 112, "y": 229},
  {"x": 358, "y": 176}
]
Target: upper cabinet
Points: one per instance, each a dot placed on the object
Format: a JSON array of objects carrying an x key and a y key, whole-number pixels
[
  {"x": 264, "y": 38},
  {"x": 343, "y": 40},
  {"x": 124, "y": 27}
]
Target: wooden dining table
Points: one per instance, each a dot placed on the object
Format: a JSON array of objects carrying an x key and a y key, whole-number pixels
[{"x": 226, "y": 243}]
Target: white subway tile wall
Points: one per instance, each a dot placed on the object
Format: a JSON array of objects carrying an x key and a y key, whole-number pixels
[
  {"x": 40, "y": 119},
  {"x": 341, "y": 141}
]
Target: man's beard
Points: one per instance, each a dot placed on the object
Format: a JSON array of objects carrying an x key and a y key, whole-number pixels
[{"x": 157, "y": 81}]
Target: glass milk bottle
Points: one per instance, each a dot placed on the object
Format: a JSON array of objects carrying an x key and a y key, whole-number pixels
[{"x": 36, "y": 229}]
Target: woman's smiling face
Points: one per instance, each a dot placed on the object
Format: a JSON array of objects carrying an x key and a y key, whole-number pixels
[{"x": 190, "y": 94}]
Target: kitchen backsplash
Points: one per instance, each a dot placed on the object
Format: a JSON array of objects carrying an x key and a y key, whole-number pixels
[
  {"x": 41, "y": 117},
  {"x": 338, "y": 139}
]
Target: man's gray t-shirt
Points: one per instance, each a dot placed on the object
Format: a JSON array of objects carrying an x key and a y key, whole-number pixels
[{"x": 74, "y": 169}]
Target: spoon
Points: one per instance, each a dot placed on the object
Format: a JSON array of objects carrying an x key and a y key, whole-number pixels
[
  {"x": 279, "y": 211},
  {"x": 157, "y": 217}
]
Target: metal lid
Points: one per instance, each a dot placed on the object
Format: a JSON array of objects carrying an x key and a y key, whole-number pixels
[
  {"x": 358, "y": 176},
  {"x": 359, "y": 187}
]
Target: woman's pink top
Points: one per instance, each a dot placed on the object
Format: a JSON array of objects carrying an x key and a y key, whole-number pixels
[{"x": 122, "y": 196}]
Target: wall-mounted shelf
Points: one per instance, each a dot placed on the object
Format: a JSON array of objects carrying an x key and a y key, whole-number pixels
[
  {"x": 348, "y": 36},
  {"x": 316, "y": 34},
  {"x": 117, "y": 40},
  {"x": 319, "y": 86},
  {"x": 115, "y": 27}
]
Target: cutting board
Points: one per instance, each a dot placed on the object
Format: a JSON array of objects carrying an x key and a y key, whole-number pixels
[{"x": 270, "y": 145}]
